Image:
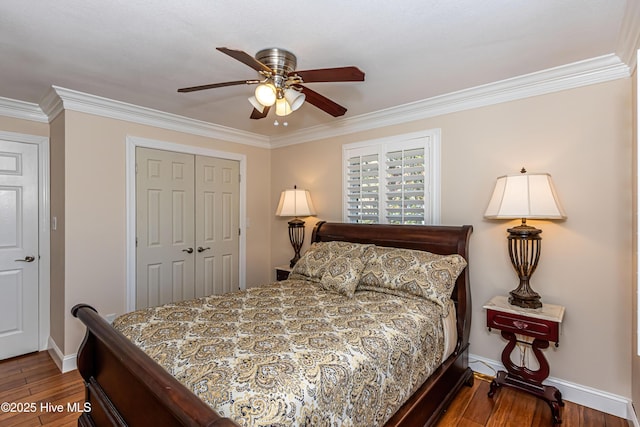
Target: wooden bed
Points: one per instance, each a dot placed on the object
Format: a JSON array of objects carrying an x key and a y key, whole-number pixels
[{"x": 124, "y": 386}]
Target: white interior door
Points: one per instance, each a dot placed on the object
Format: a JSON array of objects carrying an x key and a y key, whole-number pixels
[
  {"x": 187, "y": 226},
  {"x": 18, "y": 248},
  {"x": 165, "y": 254},
  {"x": 217, "y": 225}
]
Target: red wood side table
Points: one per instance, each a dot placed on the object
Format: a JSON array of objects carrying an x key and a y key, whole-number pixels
[
  {"x": 282, "y": 272},
  {"x": 541, "y": 324}
]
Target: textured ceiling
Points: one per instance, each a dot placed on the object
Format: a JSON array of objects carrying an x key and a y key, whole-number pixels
[{"x": 142, "y": 51}]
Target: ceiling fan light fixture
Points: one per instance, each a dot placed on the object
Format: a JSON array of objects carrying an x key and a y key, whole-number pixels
[
  {"x": 294, "y": 98},
  {"x": 282, "y": 107},
  {"x": 266, "y": 94},
  {"x": 257, "y": 105},
  {"x": 280, "y": 79}
]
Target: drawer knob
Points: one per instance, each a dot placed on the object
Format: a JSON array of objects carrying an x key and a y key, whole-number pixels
[{"x": 520, "y": 325}]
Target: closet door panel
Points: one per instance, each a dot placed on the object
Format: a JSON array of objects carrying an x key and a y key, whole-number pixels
[
  {"x": 165, "y": 256},
  {"x": 217, "y": 225}
]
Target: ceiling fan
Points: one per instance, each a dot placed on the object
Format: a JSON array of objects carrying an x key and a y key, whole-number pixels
[{"x": 281, "y": 84}]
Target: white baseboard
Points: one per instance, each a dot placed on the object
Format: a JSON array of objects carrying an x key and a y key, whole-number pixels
[
  {"x": 582, "y": 395},
  {"x": 64, "y": 363}
]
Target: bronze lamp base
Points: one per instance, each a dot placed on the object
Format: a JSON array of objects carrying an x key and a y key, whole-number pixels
[
  {"x": 296, "y": 236},
  {"x": 524, "y": 251},
  {"x": 524, "y": 300}
]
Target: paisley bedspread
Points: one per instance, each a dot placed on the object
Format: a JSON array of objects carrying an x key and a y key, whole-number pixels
[{"x": 293, "y": 354}]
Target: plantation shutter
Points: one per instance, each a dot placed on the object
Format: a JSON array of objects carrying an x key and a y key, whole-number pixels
[
  {"x": 363, "y": 189},
  {"x": 392, "y": 180},
  {"x": 405, "y": 186}
]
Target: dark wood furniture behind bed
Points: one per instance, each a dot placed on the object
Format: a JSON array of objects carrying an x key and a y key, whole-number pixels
[{"x": 126, "y": 387}]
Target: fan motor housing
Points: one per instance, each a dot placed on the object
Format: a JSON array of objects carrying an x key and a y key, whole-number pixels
[{"x": 281, "y": 61}]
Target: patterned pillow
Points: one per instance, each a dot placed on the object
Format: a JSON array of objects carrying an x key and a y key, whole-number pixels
[
  {"x": 313, "y": 264},
  {"x": 412, "y": 272},
  {"x": 342, "y": 275}
]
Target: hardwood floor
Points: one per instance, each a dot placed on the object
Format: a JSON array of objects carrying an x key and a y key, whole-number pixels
[
  {"x": 38, "y": 393},
  {"x": 473, "y": 408},
  {"x": 42, "y": 396}
]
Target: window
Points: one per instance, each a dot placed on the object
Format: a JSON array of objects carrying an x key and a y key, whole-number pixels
[{"x": 393, "y": 180}]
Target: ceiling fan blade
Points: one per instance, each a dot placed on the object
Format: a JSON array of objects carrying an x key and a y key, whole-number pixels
[
  {"x": 215, "y": 85},
  {"x": 322, "y": 102},
  {"x": 246, "y": 59},
  {"x": 255, "y": 114},
  {"x": 340, "y": 74}
]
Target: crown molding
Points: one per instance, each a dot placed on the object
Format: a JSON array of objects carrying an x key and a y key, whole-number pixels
[
  {"x": 59, "y": 99},
  {"x": 22, "y": 110},
  {"x": 582, "y": 73},
  {"x": 629, "y": 37},
  {"x": 577, "y": 74},
  {"x": 51, "y": 104}
]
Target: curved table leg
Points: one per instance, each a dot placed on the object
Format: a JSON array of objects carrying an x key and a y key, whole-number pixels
[{"x": 525, "y": 379}]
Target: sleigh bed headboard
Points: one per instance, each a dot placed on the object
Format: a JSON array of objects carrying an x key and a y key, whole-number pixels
[{"x": 443, "y": 240}]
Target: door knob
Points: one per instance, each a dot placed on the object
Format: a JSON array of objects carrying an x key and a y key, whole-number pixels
[
  {"x": 201, "y": 249},
  {"x": 28, "y": 258},
  {"x": 188, "y": 250}
]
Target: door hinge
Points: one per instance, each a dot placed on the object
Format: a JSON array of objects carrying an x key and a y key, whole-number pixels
[
  {"x": 239, "y": 231},
  {"x": 239, "y": 178}
]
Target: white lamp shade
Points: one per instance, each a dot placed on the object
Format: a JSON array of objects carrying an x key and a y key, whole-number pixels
[
  {"x": 266, "y": 94},
  {"x": 294, "y": 98},
  {"x": 254, "y": 101},
  {"x": 295, "y": 202},
  {"x": 282, "y": 107},
  {"x": 525, "y": 196}
]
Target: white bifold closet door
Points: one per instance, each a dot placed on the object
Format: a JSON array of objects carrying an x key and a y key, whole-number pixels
[{"x": 187, "y": 226}]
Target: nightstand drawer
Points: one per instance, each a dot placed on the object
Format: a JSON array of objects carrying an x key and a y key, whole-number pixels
[
  {"x": 531, "y": 327},
  {"x": 281, "y": 274}
]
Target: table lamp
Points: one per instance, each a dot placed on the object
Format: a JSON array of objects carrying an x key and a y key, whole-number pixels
[
  {"x": 525, "y": 196},
  {"x": 295, "y": 203}
]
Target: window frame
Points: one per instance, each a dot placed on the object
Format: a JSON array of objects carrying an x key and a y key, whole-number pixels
[{"x": 430, "y": 140}]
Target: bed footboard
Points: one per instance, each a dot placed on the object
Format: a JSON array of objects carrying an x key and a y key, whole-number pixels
[{"x": 125, "y": 387}]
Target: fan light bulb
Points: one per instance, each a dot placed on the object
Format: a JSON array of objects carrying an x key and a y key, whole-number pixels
[
  {"x": 294, "y": 98},
  {"x": 266, "y": 94},
  {"x": 282, "y": 107},
  {"x": 257, "y": 105}
]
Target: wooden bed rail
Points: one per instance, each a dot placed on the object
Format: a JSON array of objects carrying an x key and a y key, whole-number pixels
[{"x": 142, "y": 393}]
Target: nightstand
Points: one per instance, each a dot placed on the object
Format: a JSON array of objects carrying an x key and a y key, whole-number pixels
[
  {"x": 282, "y": 272},
  {"x": 540, "y": 324}
]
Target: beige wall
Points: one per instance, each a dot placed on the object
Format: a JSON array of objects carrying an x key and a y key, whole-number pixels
[
  {"x": 57, "y": 241},
  {"x": 95, "y": 213},
  {"x": 582, "y": 137},
  {"x": 635, "y": 356},
  {"x": 28, "y": 127}
]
